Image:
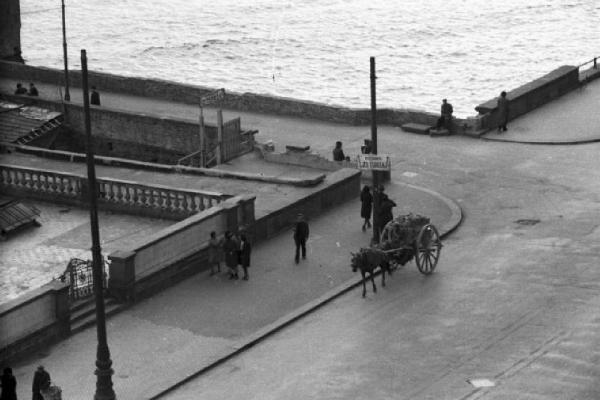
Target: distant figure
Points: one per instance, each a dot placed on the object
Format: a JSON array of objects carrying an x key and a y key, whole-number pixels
[
  {"x": 230, "y": 248},
  {"x": 20, "y": 89},
  {"x": 366, "y": 198},
  {"x": 214, "y": 253},
  {"x": 32, "y": 90},
  {"x": 445, "y": 120},
  {"x": 95, "y": 97},
  {"x": 41, "y": 381},
  {"x": 245, "y": 250},
  {"x": 385, "y": 210},
  {"x": 300, "y": 236},
  {"x": 338, "y": 153},
  {"x": 9, "y": 385},
  {"x": 502, "y": 112}
]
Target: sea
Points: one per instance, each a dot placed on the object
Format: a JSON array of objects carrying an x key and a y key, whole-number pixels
[{"x": 464, "y": 50}]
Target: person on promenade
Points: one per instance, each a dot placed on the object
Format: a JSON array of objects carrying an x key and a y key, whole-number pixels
[
  {"x": 9, "y": 385},
  {"x": 385, "y": 210},
  {"x": 20, "y": 89},
  {"x": 338, "y": 153},
  {"x": 32, "y": 90},
  {"x": 230, "y": 248},
  {"x": 214, "y": 253},
  {"x": 41, "y": 381},
  {"x": 366, "y": 199},
  {"x": 245, "y": 250},
  {"x": 301, "y": 232},
  {"x": 95, "y": 97},
  {"x": 502, "y": 112},
  {"x": 445, "y": 120}
]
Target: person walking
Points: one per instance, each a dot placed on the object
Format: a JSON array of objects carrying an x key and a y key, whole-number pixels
[
  {"x": 95, "y": 97},
  {"x": 385, "y": 210},
  {"x": 338, "y": 153},
  {"x": 366, "y": 199},
  {"x": 214, "y": 253},
  {"x": 230, "y": 248},
  {"x": 502, "y": 112},
  {"x": 245, "y": 250},
  {"x": 301, "y": 232},
  {"x": 32, "y": 90},
  {"x": 41, "y": 381},
  {"x": 9, "y": 385}
]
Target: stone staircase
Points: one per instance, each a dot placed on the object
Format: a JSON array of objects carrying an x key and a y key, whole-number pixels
[
  {"x": 45, "y": 128},
  {"x": 20, "y": 129},
  {"x": 83, "y": 312}
]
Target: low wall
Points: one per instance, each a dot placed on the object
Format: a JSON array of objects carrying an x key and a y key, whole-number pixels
[
  {"x": 34, "y": 320},
  {"x": 163, "y": 258},
  {"x": 176, "y": 92},
  {"x": 531, "y": 95}
]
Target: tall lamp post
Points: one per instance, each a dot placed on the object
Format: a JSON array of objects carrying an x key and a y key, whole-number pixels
[
  {"x": 376, "y": 194},
  {"x": 104, "y": 385},
  {"x": 64, "y": 32}
]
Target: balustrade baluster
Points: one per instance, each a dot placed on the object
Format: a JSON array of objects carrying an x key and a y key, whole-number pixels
[
  {"x": 151, "y": 199},
  {"x": 119, "y": 188},
  {"x": 185, "y": 204},
  {"x": 210, "y": 201},
  {"x": 143, "y": 197},
  {"x": 45, "y": 182},
  {"x": 170, "y": 203},
  {"x": 53, "y": 184},
  {"x": 110, "y": 191},
  {"x": 127, "y": 194},
  {"x": 199, "y": 200}
]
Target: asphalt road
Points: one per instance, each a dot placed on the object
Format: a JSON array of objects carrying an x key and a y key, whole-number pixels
[{"x": 515, "y": 299}]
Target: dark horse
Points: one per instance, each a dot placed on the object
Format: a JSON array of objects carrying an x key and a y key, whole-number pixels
[{"x": 367, "y": 260}]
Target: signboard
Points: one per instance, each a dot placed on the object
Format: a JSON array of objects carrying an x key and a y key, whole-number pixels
[{"x": 377, "y": 162}]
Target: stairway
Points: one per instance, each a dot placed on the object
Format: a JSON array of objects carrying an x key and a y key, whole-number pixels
[
  {"x": 45, "y": 128},
  {"x": 83, "y": 312}
]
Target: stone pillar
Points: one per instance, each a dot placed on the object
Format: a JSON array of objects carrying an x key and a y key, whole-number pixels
[
  {"x": 62, "y": 309},
  {"x": 121, "y": 281},
  {"x": 10, "y": 29}
]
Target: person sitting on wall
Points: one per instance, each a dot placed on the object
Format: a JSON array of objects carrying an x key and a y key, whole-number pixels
[
  {"x": 20, "y": 89},
  {"x": 95, "y": 97},
  {"x": 338, "y": 153},
  {"x": 445, "y": 120},
  {"x": 32, "y": 90}
]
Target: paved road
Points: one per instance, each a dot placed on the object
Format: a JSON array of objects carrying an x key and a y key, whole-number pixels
[{"x": 515, "y": 303}]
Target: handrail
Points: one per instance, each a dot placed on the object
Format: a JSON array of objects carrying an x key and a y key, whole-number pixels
[{"x": 593, "y": 60}]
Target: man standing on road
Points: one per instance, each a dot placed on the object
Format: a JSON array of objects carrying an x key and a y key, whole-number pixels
[
  {"x": 41, "y": 381},
  {"x": 300, "y": 237},
  {"x": 502, "y": 112}
]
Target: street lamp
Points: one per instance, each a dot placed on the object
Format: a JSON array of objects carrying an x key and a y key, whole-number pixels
[
  {"x": 376, "y": 193},
  {"x": 64, "y": 32},
  {"x": 104, "y": 385}
]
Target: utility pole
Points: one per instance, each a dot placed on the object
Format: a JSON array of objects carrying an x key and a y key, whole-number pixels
[
  {"x": 64, "y": 32},
  {"x": 104, "y": 385},
  {"x": 376, "y": 194}
]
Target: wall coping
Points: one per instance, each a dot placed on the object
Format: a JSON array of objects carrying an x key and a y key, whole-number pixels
[
  {"x": 30, "y": 296},
  {"x": 528, "y": 87}
]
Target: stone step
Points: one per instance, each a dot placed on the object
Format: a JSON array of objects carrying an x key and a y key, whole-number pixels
[
  {"x": 413, "y": 127},
  {"x": 439, "y": 132},
  {"x": 83, "y": 315}
]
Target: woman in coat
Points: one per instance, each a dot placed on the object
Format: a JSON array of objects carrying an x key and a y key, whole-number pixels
[
  {"x": 230, "y": 248},
  {"x": 245, "y": 250},
  {"x": 214, "y": 253},
  {"x": 366, "y": 198}
]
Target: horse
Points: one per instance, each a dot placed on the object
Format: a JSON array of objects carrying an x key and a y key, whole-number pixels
[{"x": 367, "y": 260}]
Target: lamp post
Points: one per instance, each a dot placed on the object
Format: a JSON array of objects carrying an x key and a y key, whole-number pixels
[
  {"x": 376, "y": 194},
  {"x": 104, "y": 385},
  {"x": 64, "y": 32}
]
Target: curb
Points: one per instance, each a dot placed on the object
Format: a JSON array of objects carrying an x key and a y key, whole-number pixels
[
  {"x": 550, "y": 142},
  {"x": 288, "y": 319}
]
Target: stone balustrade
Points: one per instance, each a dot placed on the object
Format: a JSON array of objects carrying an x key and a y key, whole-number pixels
[{"x": 113, "y": 194}]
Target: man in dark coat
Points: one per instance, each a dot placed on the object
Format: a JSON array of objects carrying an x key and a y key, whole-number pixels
[
  {"x": 338, "y": 153},
  {"x": 385, "y": 210},
  {"x": 245, "y": 250},
  {"x": 300, "y": 236},
  {"x": 32, "y": 90},
  {"x": 366, "y": 198},
  {"x": 20, "y": 89},
  {"x": 445, "y": 120},
  {"x": 230, "y": 248},
  {"x": 9, "y": 385},
  {"x": 95, "y": 97},
  {"x": 502, "y": 112},
  {"x": 41, "y": 381}
]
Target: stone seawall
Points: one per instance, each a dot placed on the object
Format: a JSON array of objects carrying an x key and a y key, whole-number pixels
[{"x": 176, "y": 92}]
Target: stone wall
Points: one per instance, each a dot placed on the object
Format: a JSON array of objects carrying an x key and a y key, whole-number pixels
[
  {"x": 34, "y": 320},
  {"x": 172, "y": 91},
  {"x": 531, "y": 95}
]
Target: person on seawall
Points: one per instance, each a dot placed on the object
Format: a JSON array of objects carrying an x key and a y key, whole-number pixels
[
  {"x": 32, "y": 90},
  {"x": 20, "y": 89},
  {"x": 95, "y": 97},
  {"x": 445, "y": 120},
  {"x": 502, "y": 112}
]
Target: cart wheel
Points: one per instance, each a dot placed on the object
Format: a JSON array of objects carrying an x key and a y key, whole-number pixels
[{"x": 427, "y": 249}]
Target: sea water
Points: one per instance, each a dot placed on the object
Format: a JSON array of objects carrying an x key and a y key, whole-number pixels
[{"x": 464, "y": 50}]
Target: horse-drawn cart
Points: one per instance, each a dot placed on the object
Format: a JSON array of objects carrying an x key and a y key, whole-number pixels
[
  {"x": 402, "y": 239},
  {"x": 409, "y": 236}
]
